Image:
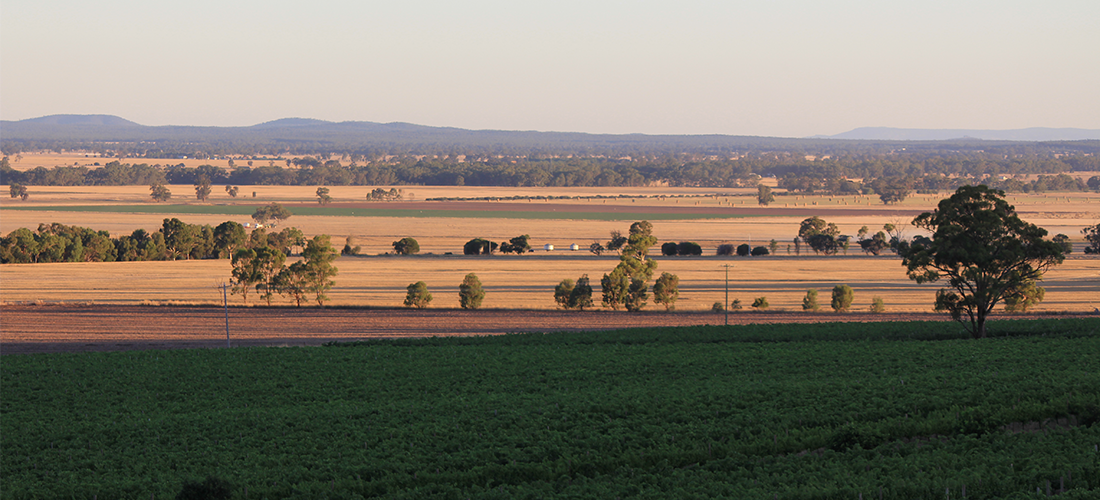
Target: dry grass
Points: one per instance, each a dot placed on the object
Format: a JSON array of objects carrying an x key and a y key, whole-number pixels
[{"x": 525, "y": 281}]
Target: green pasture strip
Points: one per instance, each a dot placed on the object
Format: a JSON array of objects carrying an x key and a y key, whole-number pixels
[
  {"x": 879, "y": 410},
  {"x": 375, "y": 212}
]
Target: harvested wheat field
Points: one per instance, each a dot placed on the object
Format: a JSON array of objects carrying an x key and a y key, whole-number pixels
[{"x": 525, "y": 281}]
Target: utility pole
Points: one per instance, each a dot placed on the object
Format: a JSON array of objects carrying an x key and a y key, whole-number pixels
[{"x": 225, "y": 300}]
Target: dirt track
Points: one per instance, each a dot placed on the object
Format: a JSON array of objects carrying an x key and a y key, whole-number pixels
[
  {"x": 74, "y": 328},
  {"x": 545, "y": 206}
]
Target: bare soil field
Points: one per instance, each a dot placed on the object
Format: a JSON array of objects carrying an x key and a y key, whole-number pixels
[{"x": 74, "y": 328}]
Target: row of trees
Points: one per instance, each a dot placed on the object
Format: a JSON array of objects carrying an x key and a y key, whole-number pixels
[
  {"x": 470, "y": 293},
  {"x": 175, "y": 240},
  {"x": 893, "y": 181},
  {"x": 261, "y": 268}
]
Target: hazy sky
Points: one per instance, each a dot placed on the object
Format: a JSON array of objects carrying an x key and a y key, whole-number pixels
[{"x": 764, "y": 67}]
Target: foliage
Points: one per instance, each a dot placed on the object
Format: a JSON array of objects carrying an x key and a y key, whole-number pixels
[
  {"x": 887, "y": 400},
  {"x": 744, "y": 250},
  {"x": 875, "y": 244},
  {"x": 294, "y": 281},
  {"x": 256, "y": 268},
  {"x": 773, "y": 246},
  {"x": 1023, "y": 297},
  {"x": 760, "y": 303},
  {"x": 319, "y": 255},
  {"x": 563, "y": 291},
  {"x": 1092, "y": 237},
  {"x": 379, "y": 194},
  {"x": 877, "y": 305},
  {"x": 19, "y": 191},
  {"x": 596, "y": 248},
  {"x": 202, "y": 188},
  {"x": 272, "y": 212},
  {"x": 479, "y": 246},
  {"x": 213, "y": 488},
  {"x": 666, "y": 290},
  {"x": 617, "y": 241},
  {"x": 228, "y": 237},
  {"x": 725, "y": 249},
  {"x": 159, "y": 193},
  {"x": 809, "y": 302},
  {"x": 984, "y": 250},
  {"x": 764, "y": 195},
  {"x": 1062, "y": 239},
  {"x": 518, "y": 245},
  {"x": 323, "y": 197},
  {"x": 758, "y": 251},
  {"x": 820, "y": 235},
  {"x": 689, "y": 248},
  {"x": 350, "y": 248},
  {"x": 669, "y": 249},
  {"x": 627, "y": 284},
  {"x": 406, "y": 246},
  {"x": 735, "y": 305},
  {"x": 717, "y": 307},
  {"x": 470, "y": 293},
  {"x": 232, "y": 190},
  {"x": 570, "y": 295},
  {"x": 417, "y": 295},
  {"x": 842, "y": 298}
]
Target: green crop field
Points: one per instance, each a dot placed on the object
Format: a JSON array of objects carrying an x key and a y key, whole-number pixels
[
  {"x": 890, "y": 410},
  {"x": 376, "y": 212}
]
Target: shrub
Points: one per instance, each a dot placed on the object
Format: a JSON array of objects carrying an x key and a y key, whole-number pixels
[
  {"x": 689, "y": 248},
  {"x": 735, "y": 305},
  {"x": 743, "y": 250},
  {"x": 406, "y": 246},
  {"x": 717, "y": 307},
  {"x": 666, "y": 290},
  {"x": 809, "y": 303},
  {"x": 725, "y": 249},
  {"x": 581, "y": 295},
  {"x": 479, "y": 246},
  {"x": 418, "y": 295},
  {"x": 562, "y": 292},
  {"x": 760, "y": 251},
  {"x": 877, "y": 306},
  {"x": 842, "y": 298},
  {"x": 760, "y": 303},
  {"x": 349, "y": 249},
  {"x": 669, "y": 249},
  {"x": 470, "y": 293}
]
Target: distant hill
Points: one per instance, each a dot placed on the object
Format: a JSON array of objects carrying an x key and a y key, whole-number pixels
[
  {"x": 920, "y": 134},
  {"x": 98, "y": 120}
]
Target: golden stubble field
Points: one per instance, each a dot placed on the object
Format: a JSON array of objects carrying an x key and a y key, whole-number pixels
[{"x": 525, "y": 281}]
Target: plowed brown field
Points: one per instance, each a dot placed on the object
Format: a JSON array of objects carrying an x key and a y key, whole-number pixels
[{"x": 73, "y": 328}]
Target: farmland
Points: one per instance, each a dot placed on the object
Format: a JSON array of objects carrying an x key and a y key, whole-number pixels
[{"x": 889, "y": 410}]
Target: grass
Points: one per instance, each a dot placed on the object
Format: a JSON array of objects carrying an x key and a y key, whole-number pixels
[{"x": 794, "y": 411}]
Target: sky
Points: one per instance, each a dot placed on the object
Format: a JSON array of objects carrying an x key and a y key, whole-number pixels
[{"x": 786, "y": 68}]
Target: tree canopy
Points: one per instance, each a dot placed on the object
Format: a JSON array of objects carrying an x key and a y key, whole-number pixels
[{"x": 983, "y": 249}]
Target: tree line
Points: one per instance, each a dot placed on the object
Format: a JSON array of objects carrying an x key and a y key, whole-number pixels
[
  {"x": 175, "y": 240},
  {"x": 911, "y": 171}
]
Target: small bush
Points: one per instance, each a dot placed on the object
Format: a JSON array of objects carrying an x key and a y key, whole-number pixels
[
  {"x": 809, "y": 303},
  {"x": 758, "y": 251},
  {"x": 743, "y": 250},
  {"x": 717, "y": 307},
  {"x": 726, "y": 249},
  {"x": 735, "y": 305},
  {"x": 877, "y": 306},
  {"x": 470, "y": 293},
  {"x": 842, "y": 298},
  {"x": 669, "y": 249},
  {"x": 350, "y": 248},
  {"x": 406, "y": 246},
  {"x": 418, "y": 295},
  {"x": 760, "y": 303}
]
